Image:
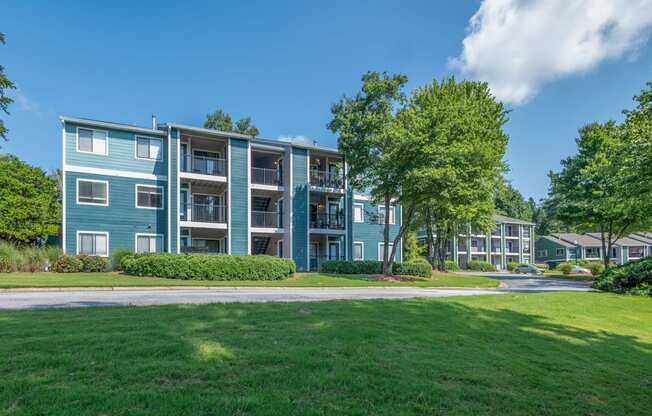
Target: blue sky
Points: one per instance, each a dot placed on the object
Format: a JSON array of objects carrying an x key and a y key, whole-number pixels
[{"x": 284, "y": 63}]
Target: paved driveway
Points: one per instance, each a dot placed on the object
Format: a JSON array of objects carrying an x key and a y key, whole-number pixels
[{"x": 527, "y": 283}]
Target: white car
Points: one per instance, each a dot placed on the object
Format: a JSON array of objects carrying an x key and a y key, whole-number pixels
[{"x": 580, "y": 270}]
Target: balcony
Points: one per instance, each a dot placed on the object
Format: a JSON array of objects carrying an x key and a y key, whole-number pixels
[
  {"x": 266, "y": 219},
  {"x": 208, "y": 213},
  {"x": 266, "y": 176},
  {"x": 327, "y": 221},
  {"x": 191, "y": 249},
  {"x": 203, "y": 165},
  {"x": 325, "y": 179}
]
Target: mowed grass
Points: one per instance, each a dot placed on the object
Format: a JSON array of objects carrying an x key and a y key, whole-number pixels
[
  {"x": 532, "y": 354},
  {"x": 23, "y": 280}
]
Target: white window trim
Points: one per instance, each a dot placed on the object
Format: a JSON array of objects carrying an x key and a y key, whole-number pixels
[
  {"x": 392, "y": 217},
  {"x": 362, "y": 244},
  {"x": 160, "y": 152},
  {"x": 92, "y": 203},
  {"x": 357, "y": 204},
  {"x": 149, "y": 186},
  {"x": 106, "y": 148},
  {"x": 557, "y": 253},
  {"x": 148, "y": 235},
  {"x": 105, "y": 233},
  {"x": 380, "y": 253}
]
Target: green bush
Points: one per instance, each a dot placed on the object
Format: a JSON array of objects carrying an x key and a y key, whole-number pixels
[
  {"x": 52, "y": 254},
  {"x": 208, "y": 266},
  {"x": 451, "y": 266},
  {"x": 544, "y": 266},
  {"x": 596, "y": 268},
  {"x": 26, "y": 258},
  {"x": 565, "y": 267},
  {"x": 116, "y": 257},
  {"x": 512, "y": 265},
  {"x": 67, "y": 264},
  {"x": 481, "y": 266},
  {"x": 634, "y": 277},
  {"x": 413, "y": 268},
  {"x": 93, "y": 264},
  {"x": 352, "y": 267}
]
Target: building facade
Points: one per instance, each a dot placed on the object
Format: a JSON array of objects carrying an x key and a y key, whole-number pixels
[{"x": 175, "y": 188}]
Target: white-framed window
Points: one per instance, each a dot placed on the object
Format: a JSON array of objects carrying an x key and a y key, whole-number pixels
[
  {"x": 560, "y": 252},
  {"x": 381, "y": 250},
  {"x": 148, "y": 148},
  {"x": 358, "y": 250},
  {"x": 381, "y": 214},
  {"x": 92, "y": 141},
  {"x": 149, "y": 243},
  {"x": 93, "y": 243},
  {"x": 92, "y": 192},
  {"x": 542, "y": 253},
  {"x": 149, "y": 196},
  {"x": 614, "y": 252},
  {"x": 358, "y": 212}
]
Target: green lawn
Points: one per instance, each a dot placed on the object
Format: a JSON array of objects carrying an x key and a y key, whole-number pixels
[
  {"x": 16, "y": 280},
  {"x": 518, "y": 354}
]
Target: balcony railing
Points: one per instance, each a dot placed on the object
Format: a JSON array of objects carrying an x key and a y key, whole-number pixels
[
  {"x": 266, "y": 219},
  {"x": 203, "y": 165},
  {"x": 326, "y": 179},
  {"x": 206, "y": 213},
  {"x": 327, "y": 221},
  {"x": 190, "y": 249},
  {"x": 266, "y": 176}
]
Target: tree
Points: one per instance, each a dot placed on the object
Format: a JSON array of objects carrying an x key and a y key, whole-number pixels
[
  {"x": 638, "y": 163},
  {"x": 220, "y": 120},
  {"x": 594, "y": 189},
  {"x": 5, "y": 85},
  {"x": 510, "y": 202},
  {"x": 410, "y": 246},
  {"x": 29, "y": 208},
  {"x": 370, "y": 140},
  {"x": 458, "y": 143}
]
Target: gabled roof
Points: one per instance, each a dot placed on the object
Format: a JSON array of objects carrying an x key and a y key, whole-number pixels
[
  {"x": 622, "y": 242},
  {"x": 557, "y": 241},
  {"x": 643, "y": 237},
  {"x": 578, "y": 239},
  {"x": 507, "y": 220},
  {"x": 111, "y": 125}
]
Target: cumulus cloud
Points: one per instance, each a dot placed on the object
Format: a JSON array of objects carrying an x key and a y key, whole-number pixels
[
  {"x": 519, "y": 45},
  {"x": 296, "y": 139}
]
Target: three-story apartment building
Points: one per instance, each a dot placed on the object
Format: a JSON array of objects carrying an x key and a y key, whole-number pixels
[{"x": 176, "y": 188}]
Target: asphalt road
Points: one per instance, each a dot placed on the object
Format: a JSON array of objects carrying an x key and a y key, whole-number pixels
[{"x": 64, "y": 298}]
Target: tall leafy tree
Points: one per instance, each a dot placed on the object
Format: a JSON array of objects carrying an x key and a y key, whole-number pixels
[
  {"x": 29, "y": 205},
  {"x": 510, "y": 202},
  {"x": 220, "y": 120},
  {"x": 5, "y": 85},
  {"x": 638, "y": 161}
]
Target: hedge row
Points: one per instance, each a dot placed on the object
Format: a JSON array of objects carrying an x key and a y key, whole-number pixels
[
  {"x": 481, "y": 266},
  {"x": 413, "y": 268},
  {"x": 80, "y": 263},
  {"x": 634, "y": 277},
  {"x": 208, "y": 266}
]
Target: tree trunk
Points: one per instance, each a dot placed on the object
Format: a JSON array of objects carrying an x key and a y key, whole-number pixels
[
  {"x": 387, "y": 269},
  {"x": 430, "y": 238},
  {"x": 406, "y": 219}
]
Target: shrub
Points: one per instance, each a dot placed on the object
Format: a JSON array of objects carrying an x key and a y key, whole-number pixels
[
  {"x": 596, "y": 268},
  {"x": 512, "y": 265},
  {"x": 208, "y": 266},
  {"x": 565, "y": 267},
  {"x": 92, "y": 263},
  {"x": 413, "y": 268},
  {"x": 352, "y": 267},
  {"x": 52, "y": 254},
  {"x": 25, "y": 258},
  {"x": 116, "y": 257},
  {"x": 544, "y": 266},
  {"x": 634, "y": 277},
  {"x": 67, "y": 264},
  {"x": 451, "y": 266},
  {"x": 481, "y": 266}
]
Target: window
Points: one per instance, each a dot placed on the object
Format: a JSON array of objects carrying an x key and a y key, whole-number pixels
[
  {"x": 614, "y": 252},
  {"x": 149, "y": 197},
  {"x": 560, "y": 252},
  {"x": 358, "y": 250},
  {"x": 381, "y": 250},
  {"x": 92, "y": 192},
  {"x": 592, "y": 252},
  {"x": 542, "y": 253},
  {"x": 149, "y": 243},
  {"x": 93, "y": 243},
  {"x": 358, "y": 212},
  {"x": 92, "y": 141},
  {"x": 381, "y": 214},
  {"x": 148, "y": 148}
]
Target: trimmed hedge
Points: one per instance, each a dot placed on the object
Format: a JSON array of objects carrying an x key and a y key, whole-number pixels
[
  {"x": 417, "y": 267},
  {"x": 634, "y": 277},
  {"x": 565, "y": 267},
  {"x": 117, "y": 255},
  {"x": 413, "y": 268},
  {"x": 208, "y": 266},
  {"x": 481, "y": 266},
  {"x": 512, "y": 265},
  {"x": 92, "y": 264},
  {"x": 67, "y": 264},
  {"x": 451, "y": 266}
]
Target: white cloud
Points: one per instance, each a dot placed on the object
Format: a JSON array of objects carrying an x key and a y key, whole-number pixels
[
  {"x": 25, "y": 104},
  {"x": 519, "y": 45},
  {"x": 296, "y": 139}
]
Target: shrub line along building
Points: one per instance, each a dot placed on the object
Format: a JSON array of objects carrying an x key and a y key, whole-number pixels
[
  {"x": 176, "y": 188},
  {"x": 560, "y": 247}
]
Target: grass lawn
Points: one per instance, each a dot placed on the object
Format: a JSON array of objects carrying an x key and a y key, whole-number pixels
[
  {"x": 525, "y": 354},
  {"x": 15, "y": 280}
]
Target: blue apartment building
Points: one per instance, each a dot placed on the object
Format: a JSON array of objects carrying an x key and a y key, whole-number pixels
[{"x": 176, "y": 188}]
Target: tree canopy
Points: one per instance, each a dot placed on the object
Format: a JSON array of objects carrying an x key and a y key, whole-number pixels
[
  {"x": 510, "y": 202},
  {"x": 220, "y": 120},
  {"x": 5, "y": 84},
  {"x": 29, "y": 202}
]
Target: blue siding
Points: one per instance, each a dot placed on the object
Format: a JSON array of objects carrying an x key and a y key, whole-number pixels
[
  {"x": 174, "y": 191},
  {"x": 121, "y": 155},
  {"x": 370, "y": 232},
  {"x": 300, "y": 211},
  {"x": 121, "y": 219},
  {"x": 239, "y": 191}
]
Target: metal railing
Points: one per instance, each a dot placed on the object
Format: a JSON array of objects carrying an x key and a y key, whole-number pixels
[
  {"x": 206, "y": 212},
  {"x": 190, "y": 249},
  {"x": 266, "y": 176},
  {"x": 327, "y": 221},
  {"x": 203, "y": 165},
  {"x": 326, "y": 179},
  {"x": 266, "y": 219}
]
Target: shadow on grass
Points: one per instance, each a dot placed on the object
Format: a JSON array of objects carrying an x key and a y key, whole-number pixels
[{"x": 487, "y": 356}]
